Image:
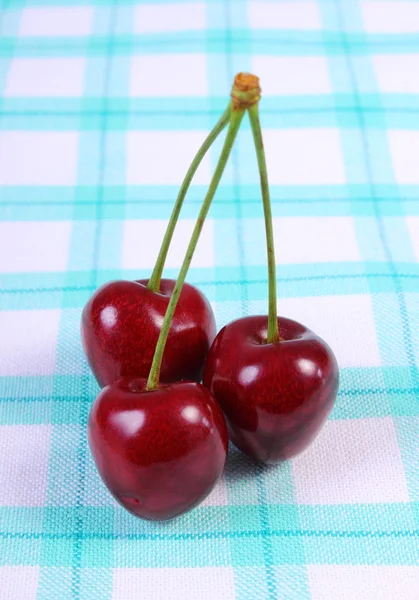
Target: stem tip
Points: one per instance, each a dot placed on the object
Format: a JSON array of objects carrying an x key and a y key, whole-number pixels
[{"x": 246, "y": 91}]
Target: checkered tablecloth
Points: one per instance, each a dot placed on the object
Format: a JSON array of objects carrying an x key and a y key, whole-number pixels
[{"x": 102, "y": 106}]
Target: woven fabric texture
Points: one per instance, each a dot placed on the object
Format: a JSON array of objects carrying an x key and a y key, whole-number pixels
[{"x": 102, "y": 106}]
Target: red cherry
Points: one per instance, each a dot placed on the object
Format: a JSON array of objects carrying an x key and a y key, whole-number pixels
[
  {"x": 159, "y": 452},
  {"x": 121, "y": 324},
  {"x": 276, "y": 396}
]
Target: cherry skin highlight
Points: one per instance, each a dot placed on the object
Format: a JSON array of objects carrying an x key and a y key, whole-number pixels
[
  {"x": 121, "y": 323},
  {"x": 275, "y": 396},
  {"x": 159, "y": 452}
]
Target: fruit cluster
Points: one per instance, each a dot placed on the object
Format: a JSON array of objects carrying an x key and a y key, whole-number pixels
[{"x": 158, "y": 436}]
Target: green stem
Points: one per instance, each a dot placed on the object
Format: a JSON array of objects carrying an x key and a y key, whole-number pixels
[
  {"x": 273, "y": 333},
  {"x": 154, "y": 282},
  {"x": 154, "y": 376}
]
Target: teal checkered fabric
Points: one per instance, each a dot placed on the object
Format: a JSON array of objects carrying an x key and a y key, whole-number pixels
[{"x": 102, "y": 106}]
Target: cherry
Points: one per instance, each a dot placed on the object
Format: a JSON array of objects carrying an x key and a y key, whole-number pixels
[
  {"x": 275, "y": 396},
  {"x": 121, "y": 324},
  {"x": 159, "y": 452},
  {"x": 122, "y": 320},
  {"x": 275, "y": 379},
  {"x": 159, "y": 447}
]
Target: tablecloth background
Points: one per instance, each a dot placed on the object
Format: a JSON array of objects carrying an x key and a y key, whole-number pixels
[{"x": 103, "y": 105}]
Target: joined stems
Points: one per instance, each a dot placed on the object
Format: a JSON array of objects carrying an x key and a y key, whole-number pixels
[
  {"x": 154, "y": 282},
  {"x": 273, "y": 333},
  {"x": 154, "y": 376}
]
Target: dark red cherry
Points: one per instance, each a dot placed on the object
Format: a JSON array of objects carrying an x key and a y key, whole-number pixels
[
  {"x": 159, "y": 452},
  {"x": 275, "y": 397},
  {"x": 121, "y": 323}
]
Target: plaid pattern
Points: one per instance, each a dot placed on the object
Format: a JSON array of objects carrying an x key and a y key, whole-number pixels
[{"x": 102, "y": 106}]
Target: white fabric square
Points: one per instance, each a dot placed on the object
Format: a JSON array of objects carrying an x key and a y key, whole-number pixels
[
  {"x": 413, "y": 228},
  {"x": 24, "y": 451},
  {"x": 304, "y": 156},
  {"x": 34, "y": 246},
  {"x": 18, "y": 582},
  {"x": 404, "y": 148},
  {"x": 49, "y": 21},
  {"x": 28, "y": 341},
  {"x": 180, "y": 16},
  {"x": 94, "y": 492},
  {"x": 163, "y": 157},
  {"x": 284, "y": 15},
  {"x": 396, "y": 73},
  {"x": 168, "y": 75},
  {"x": 218, "y": 496},
  {"x": 346, "y": 323},
  {"x": 287, "y": 75},
  {"x": 329, "y": 239},
  {"x": 38, "y": 157},
  {"x": 353, "y": 461},
  {"x": 390, "y": 17},
  {"x": 142, "y": 241},
  {"x": 363, "y": 582},
  {"x": 71, "y": 360},
  {"x": 174, "y": 583},
  {"x": 45, "y": 77}
]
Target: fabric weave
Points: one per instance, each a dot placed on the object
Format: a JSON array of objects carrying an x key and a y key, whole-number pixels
[{"x": 102, "y": 107}]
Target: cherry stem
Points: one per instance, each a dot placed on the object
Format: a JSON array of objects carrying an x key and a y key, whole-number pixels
[
  {"x": 154, "y": 376},
  {"x": 154, "y": 282},
  {"x": 273, "y": 333}
]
